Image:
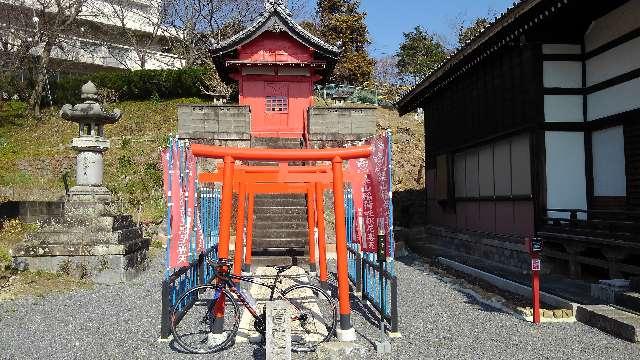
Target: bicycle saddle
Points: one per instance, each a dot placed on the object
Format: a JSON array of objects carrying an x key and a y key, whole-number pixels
[{"x": 282, "y": 268}]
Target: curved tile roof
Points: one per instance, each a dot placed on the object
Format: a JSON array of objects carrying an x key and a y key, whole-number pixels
[{"x": 277, "y": 18}]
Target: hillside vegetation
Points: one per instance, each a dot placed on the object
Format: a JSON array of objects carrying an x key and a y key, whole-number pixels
[{"x": 35, "y": 155}]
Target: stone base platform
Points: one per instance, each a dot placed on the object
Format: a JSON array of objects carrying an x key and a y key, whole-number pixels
[
  {"x": 87, "y": 242},
  {"x": 110, "y": 264}
]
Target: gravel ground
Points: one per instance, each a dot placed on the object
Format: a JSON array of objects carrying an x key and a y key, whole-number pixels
[{"x": 436, "y": 321}]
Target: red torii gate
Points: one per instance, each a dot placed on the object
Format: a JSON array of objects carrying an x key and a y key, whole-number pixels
[
  {"x": 251, "y": 180},
  {"x": 277, "y": 182}
]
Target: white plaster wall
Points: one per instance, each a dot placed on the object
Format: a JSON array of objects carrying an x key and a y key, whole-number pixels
[
  {"x": 562, "y": 74},
  {"x": 566, "y": 181},
  {"x": 613, "y": 25},
  {"x": 138, "y": 15},
  {"x": 98, "y": 53},
  {"x": 609, "y": 177},
  {"x": 563, "y": 108},
  {"x": 617, "y": 61},
  {"x": 561, "y": 49},
  {"x": 614, "y": 100}
]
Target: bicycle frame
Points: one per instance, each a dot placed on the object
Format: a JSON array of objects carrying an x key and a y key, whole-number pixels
[{"x": 228, "y": 281}]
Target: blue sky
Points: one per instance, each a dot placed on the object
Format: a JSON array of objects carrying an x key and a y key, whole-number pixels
[{"x": 388, "y": 19}]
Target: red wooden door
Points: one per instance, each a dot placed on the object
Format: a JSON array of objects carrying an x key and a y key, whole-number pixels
[
  {"x": 278, "y": 108},
  {"x": 276, "y": 116}
]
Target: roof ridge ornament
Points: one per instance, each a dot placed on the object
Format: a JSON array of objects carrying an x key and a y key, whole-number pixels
[{"x": 270, "y": 5}]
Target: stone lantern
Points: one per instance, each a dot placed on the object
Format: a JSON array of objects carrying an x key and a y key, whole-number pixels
[
  {"x": 90, "y": 239},
  {"x": 219, "y": 98},
  {"x": 90, "y": 145},
  {"x": 339, "y": 98}
]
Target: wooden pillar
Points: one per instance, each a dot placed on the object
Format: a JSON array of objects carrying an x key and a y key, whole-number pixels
[
  {"x": 246, "y": 267},
  {"x": 345, "y": 331},
  {"x": 311, "y": 221},
  {"x": 322, "y": 245}
]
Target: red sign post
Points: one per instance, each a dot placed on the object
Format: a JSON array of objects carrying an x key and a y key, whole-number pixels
[{"x": 535, "y": 248}]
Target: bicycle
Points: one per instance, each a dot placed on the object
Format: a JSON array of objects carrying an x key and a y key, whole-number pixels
[{"x": 201, "y": 326}]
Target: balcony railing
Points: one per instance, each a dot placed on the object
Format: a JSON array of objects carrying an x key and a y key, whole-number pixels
[{"x": 608, "y": 224}]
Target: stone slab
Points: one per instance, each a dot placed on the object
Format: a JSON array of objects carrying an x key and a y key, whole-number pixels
[
  {"x": 613, "y": 321},
  {"x": 278, "y": 334},
  {"x": 104, "y": 269},
  {"x": 629, "y": 300}
]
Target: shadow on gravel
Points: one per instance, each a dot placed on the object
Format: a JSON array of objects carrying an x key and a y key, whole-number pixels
[
  {"x": 421, "y": 264},
  {"x": 357, "y": 307}
]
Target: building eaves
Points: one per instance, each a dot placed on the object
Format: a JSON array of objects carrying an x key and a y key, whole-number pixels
[{"x": 442, "y": 75}]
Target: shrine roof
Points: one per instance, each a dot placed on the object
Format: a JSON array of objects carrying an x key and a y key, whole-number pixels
[
  {"x": 276, "y": 18},
  {"x": 312, "y": 64}
]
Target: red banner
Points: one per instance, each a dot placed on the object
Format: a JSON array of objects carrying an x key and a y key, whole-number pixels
[
  {"x": 371, "y": 194},
  {"x": 186, "y": 239}
]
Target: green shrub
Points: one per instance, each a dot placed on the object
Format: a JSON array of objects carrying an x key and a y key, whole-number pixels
[
  {"x": 133, "y": 85},
  {"x": 364, "y": 97}
]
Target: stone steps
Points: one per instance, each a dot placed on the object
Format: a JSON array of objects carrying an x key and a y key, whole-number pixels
[
  {"x": 611, "y": 320},
  {"x": 629, "y": 300},
  {"x": 268, "y": 244},
  {"x": 88, "y": 237},
  {"x": 285, "y": 225},
  {"x": 281, "y": 218},
  {"x": 261, "y": 202},
  {"x": 280, "y": 232},
  {"x": 280, "y": 222}
]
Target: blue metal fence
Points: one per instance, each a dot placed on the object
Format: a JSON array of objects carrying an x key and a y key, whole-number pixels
[
  {"x": 364, "y": 268},
  {"x": 354, "y": 258},
  {"x": 198, "y": 272}
]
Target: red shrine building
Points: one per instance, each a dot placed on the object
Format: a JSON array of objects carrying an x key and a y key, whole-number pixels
[{"x": 275, "y": 62}]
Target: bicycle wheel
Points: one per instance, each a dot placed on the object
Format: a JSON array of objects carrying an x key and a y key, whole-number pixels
[
  {"x": 193, "y": 325},
  {"x": 314, "y": 316}
]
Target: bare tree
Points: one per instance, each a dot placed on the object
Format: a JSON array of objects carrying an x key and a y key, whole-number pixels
[
  {"x": 134, "y": 25},
  {"x": 191, "y": 24},
  {"x": 32, "y": 31},
  {"x": 389, "y": 82}
]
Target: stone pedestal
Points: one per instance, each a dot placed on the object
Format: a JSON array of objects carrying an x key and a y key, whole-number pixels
[
  {"x": 87, "y": 242},
  {"x": 278, "y": 334}
]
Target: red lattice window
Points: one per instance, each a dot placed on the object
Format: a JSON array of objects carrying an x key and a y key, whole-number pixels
[{"x": 277, "y": 104}]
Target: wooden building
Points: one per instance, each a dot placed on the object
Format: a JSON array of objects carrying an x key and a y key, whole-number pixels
[
  {"x": 533, "y": 127},
  {"x": 275, "y": 62}
]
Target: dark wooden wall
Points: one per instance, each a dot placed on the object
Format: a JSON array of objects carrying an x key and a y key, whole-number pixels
[
  {"x": 501, "y": 94},
  {"x": 632, "y": 153}
]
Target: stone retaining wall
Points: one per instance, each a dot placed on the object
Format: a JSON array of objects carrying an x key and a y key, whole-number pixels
[
  {"x": 476, "y": 249},
  {"x": 341, "y": 123},
  {"x": 221, "y": 122}
]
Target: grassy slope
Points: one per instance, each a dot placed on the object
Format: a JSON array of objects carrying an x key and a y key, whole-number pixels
[
  {"x": 408, "y": 149},
  {"x": 35, "y": 154}
]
